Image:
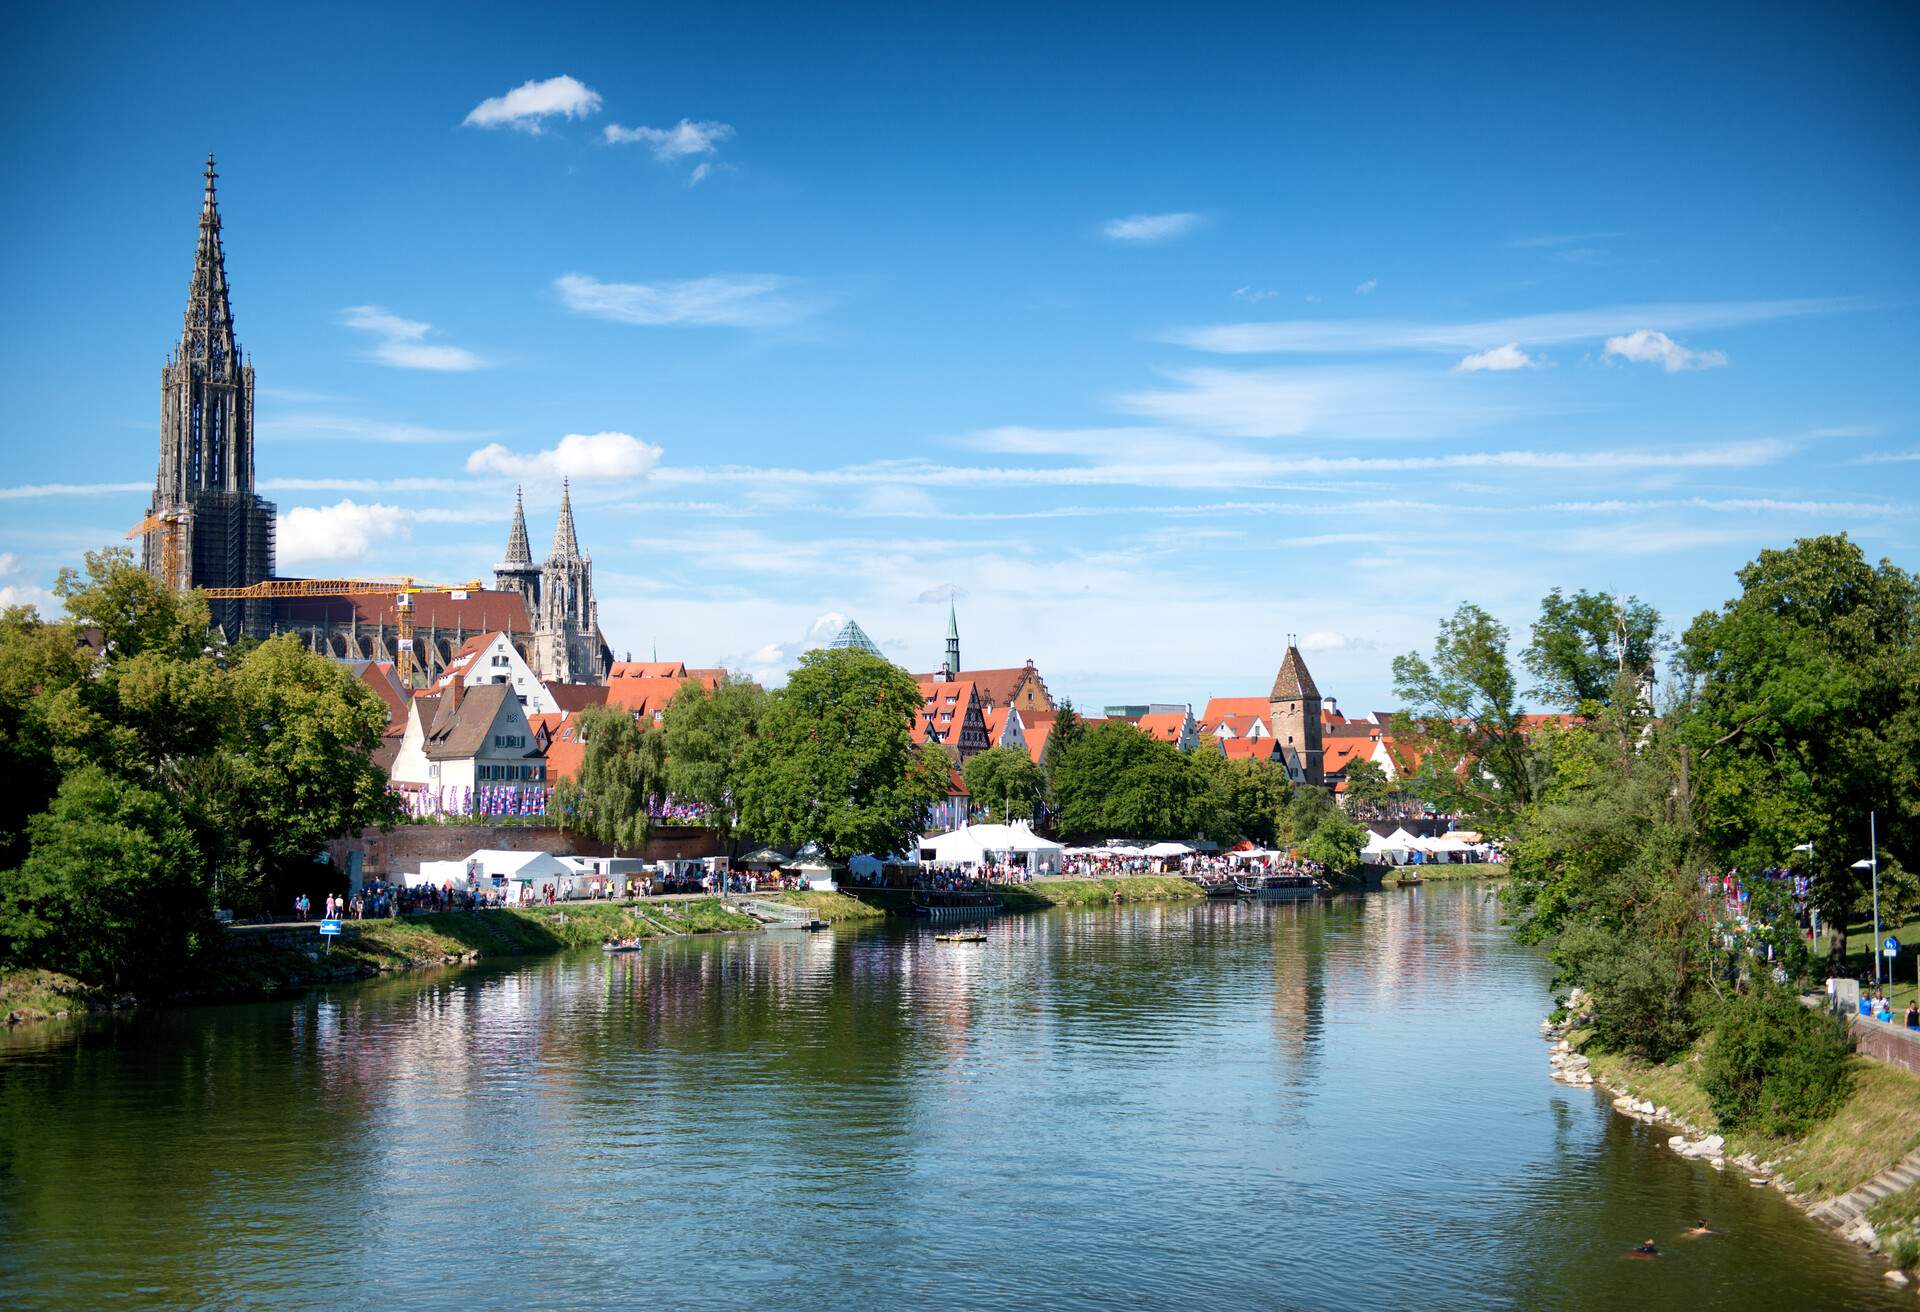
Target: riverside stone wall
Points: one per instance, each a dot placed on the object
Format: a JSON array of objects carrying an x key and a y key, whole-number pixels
[
  {"x": 1891, "y": 1044},
  {"x": 387, "y": 852}
]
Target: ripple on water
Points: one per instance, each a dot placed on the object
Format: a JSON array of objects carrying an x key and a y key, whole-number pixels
[{"x": 1332, "y": 1105}]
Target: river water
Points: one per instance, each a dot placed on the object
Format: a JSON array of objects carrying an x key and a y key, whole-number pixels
[{"x": 1343, "y": 1104}]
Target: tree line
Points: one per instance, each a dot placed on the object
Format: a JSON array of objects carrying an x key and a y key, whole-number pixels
[
  {"x": 156, "y": 773},
  {"x": 1787, "y": 715}
]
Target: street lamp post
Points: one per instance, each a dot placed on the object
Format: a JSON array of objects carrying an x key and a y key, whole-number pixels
[
  {"x": 1814, "y": 906},
  {"x": 1873, "y": 863}
]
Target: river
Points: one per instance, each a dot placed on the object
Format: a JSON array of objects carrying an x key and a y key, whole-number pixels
[{"x": 1343, "y": 1104}]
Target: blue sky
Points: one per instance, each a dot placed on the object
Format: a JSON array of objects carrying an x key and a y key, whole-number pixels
[{"x": 1159, "y": 334}]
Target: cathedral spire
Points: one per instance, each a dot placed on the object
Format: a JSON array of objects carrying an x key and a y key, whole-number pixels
[
  {"x": 518, "y": 552},
  {"x": 566, "y": 546},
  {"x": 207, "y": 336},
  {"x": 952, "y": 663}
]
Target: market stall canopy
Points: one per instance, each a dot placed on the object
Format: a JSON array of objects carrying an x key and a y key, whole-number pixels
[
  {"x": 763, "y": 856},
  {"x": 974, "y": 845},
  {"x": 1169, "y": 849}
]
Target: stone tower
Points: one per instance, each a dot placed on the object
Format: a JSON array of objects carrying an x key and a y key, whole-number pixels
[
  {"x": 951, "y": 666},
  {"x": 1294, "y": 708},
  {"x": 518, "y": 573},
  {"x": 214, "y": 531},
  {"x": 566, "y": 628}
]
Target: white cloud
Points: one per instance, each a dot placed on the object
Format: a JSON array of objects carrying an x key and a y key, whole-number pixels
[
  {"x": 1312, "y": 336},
  {"x": 609, "y": 456},
  {"x": 1366, "y": 288},
  {"x": 699, "y": 174},
  {"x": 1497, "y": 360},
  {"x": 402, "y": 343},
  {"x": 1141, "y": 228},
  {"x": 1647, "y": 346},
  {"x": 1873, "y": 458},
  {"x": 682, "y": 139},
  {"x": 749, "y": 300},
  {"x": 345, "y": 531},
  {"x": 530, "y": 102},
  {"x": 1328, "y": 641},
  {"x": 1352, "y": 401}
]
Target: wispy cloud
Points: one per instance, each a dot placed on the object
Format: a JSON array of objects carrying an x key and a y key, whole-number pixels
[
  {"x": 344, "y": 428},
  {"x": 1561, "y": 239},
  {"x": 401, "y": 343},
  {"x": 1349, "y": 400},
  {"x": 608, "y": 456},
  {"x": 1367, "y": 288},
  {"x": 1886, "y": 458},
  {"x": 1141, "y": 229},
  {"x": 33, "y": 491},
  {"x": 1252, "y": 295},
  {"x": 1497, "y": 360},
  {"x": 684, "y": 138},
  {"x": 1316, "y": 336},
  {"x": 748, "y": 300},
  {"x": 1648, "y": 346},
  {"x": 529, "y": 104}
]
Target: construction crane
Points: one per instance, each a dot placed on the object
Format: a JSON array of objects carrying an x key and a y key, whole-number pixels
[
  {"x": 172, "y": 526},
  {"x": 402, "y": 590}
]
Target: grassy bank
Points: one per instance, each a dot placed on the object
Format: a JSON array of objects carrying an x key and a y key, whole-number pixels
[
  {"x": 1044, "y": 893},
  {"x": 834, "y": 908},
  {"x": 30, "y": 995},
  {"x": 1877, "y": 1126}
]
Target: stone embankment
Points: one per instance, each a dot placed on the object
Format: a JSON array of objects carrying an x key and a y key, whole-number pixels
[{"x": 1845, "y": 1213}]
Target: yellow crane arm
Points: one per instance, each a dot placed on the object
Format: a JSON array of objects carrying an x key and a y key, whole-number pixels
[{"x": 402, "y": 589}]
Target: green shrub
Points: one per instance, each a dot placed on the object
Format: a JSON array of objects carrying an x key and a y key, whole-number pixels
[
  {"x": 1773, "y": 1065},
  {"x": 1642, "y": 992},
  {"x": 1906, "y": 1251}
]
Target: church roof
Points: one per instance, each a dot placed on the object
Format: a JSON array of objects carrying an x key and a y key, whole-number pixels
[
  {"x": 855, "y": 637},
  {"x": 477, "y": 612},
  {"x": 1293, "y": 683}
]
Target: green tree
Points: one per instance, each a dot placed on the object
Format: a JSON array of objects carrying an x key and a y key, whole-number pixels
[
  {"x": 1586, "y": 644},
  {"x": 707, "y": 736},
  {"x": 1464, "y": 717},
  {"x": 1007, "y": 782},
  {"x": 1806, "y": 717},
  {"x": 1244, "y": 798},
  {"x": 1068, "y": 729},
  {"x": 835, "y": 761},
  {"x": 1368, "y": 787},
  {"x": 110, "y": 891},
  {"x": 623, "y": 770},
  {"x": 1335, "y": 843},
  {"x": 1118, "y": 781},
  {"x": 37, "y": 661}
]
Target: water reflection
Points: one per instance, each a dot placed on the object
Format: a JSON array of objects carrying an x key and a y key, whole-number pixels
[{"x": 1331, "y": 1104}]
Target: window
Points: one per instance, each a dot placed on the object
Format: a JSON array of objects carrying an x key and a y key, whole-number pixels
[
  {"x": 500, "y": 662},
  {"x": 484, "y": 772}
]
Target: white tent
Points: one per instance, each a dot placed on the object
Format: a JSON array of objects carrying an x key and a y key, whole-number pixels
[
  {"x": 1375, "y": 844},
  {"x": 489, "y": 866},
  {"x": 977, "y": 845},
  {"x": 1169, "y": 849}
]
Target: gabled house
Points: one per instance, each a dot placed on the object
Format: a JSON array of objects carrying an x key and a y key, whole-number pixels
[
  {"x": 1005, "y": 727},
  {"x": 481, "y": 739},
  {"x": 490, "y": 659},
  {"x": 950, "y": 715},
  {"x": 1178, "y": 728}
]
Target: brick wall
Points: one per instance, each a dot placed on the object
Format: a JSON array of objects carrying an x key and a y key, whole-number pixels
[
  {"x": 1892, "y": 1044},
  {"x": 387, "y": 852}
]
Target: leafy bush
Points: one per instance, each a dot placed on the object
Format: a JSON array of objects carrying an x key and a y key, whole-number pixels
[
  {"x": 1906, "y": 1252},
  {"x": 1773, "y": 1065},
  {"x": 1642, "y": 992}
]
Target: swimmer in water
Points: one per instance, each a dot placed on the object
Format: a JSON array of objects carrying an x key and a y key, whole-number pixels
[
  {"x": 1648, "y": 1249},
  {"x": 1699, "y": 1230}
]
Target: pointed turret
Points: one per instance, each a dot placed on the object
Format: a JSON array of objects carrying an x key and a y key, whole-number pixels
[
  {"x": 1293, "y": 683},
  {"x": 207, "y": 335},
  {"x": 566, "y": 546},
  {"x": 951, "y": 667},
  {"x": 1294, "y": 714},
  {"x": 518, "y": 552}
]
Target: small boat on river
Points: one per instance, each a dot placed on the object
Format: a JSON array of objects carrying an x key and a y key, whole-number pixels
[
  {"x": 1279, "y": 888},
  {"x": 621, "y": 945},
  {"x": 961, "y": 936},
  {"x": 1408, "y": 881}
]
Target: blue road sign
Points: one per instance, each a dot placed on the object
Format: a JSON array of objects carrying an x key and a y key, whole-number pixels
[
  {"x": 1891, "y": 948},
  {"x": 329, "y": 927}
]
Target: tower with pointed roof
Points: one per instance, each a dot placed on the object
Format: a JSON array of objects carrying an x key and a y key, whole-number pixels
[
  {"x": 518, "y": 573},
  {"x": 951, "y": 667},
  {"x": 217, "y": 532},
  {"x": 1294, "y": 709},
  {"x": 567, "y": 644}
]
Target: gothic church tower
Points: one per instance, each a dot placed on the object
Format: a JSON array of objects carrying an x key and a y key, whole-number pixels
[
  {"x": 518, "y": 573},
  {"x": 213, "y": 531},
  {"x": 567, "y": 645}
]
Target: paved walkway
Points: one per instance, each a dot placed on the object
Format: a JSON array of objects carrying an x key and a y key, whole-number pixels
[{"x": 311, "y": 921}]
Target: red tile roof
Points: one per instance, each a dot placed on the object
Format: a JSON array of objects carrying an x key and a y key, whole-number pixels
[
  {"x": 1251, "y": 749},
  {"x": 1219, "y": 707},
  {"x": 1164, "y": 725}
]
